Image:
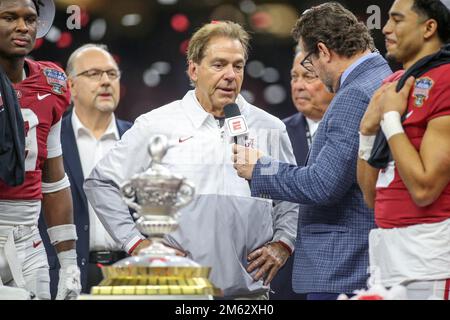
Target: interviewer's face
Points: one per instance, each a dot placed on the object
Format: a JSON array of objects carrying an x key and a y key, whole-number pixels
[
  {"x": 308, "y": 93},
  {"x": 218, "y": 77},
  {"x": 320, "y": 67}
]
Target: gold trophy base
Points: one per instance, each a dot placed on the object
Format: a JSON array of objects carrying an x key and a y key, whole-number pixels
[
  {"x": 133, "y": 281},
  {"x": 165, "y": 285}
]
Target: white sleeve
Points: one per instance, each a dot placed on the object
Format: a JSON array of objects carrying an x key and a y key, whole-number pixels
[
  {"x": 102, "y": 187},
  {"x": 54, "y": 141}
]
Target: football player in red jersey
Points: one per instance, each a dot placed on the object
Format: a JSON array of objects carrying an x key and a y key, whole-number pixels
[
  {"x": 43, "y": 95},
  {"x": 411, "y": 194}
]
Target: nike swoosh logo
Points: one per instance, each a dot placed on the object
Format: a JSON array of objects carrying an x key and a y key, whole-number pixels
[
  {"x": 43, "y": 96},
  {"x": 181, "y": 140},
  {"x": 36, "y": 243}
]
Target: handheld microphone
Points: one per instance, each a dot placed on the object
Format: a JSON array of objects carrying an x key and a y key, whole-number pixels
[{"x": 235, "y": 123}]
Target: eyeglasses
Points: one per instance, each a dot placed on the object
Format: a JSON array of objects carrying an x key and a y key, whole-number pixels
[
  {"x": 307, "y": 64},
  {"x": 97, "y": 74}
]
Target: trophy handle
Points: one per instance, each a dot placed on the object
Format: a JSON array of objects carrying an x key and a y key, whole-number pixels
[
  {"x": 185, "y": 194},
  {"x": 129, "y": 196}
]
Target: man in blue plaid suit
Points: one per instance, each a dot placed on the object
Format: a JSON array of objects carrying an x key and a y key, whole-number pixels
[{"x": 331, "y": 252}]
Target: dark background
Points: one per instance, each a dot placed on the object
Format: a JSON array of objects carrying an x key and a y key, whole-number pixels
[{"x": 156, "y": 39}]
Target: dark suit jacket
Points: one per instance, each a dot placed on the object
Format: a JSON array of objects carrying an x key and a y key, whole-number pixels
[
  {"x": 281, "y": 285},
  {"x": 331, "y": 250},
  {"x": 296, "y": 129},
  {"x": 72, "y": 165}
]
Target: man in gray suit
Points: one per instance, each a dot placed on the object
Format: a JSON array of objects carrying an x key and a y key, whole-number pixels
[{"x": 334, "y": 223}]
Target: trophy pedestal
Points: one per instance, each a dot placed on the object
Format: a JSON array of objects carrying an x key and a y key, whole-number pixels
[
  {"x": 163, "y": 282},
  {"x": 156, "y": 273}
]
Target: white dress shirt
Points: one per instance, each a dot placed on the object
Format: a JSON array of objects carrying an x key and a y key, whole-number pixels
[
  {"x": 312, "y": 125},
  {"x": 91, "y": 151}
]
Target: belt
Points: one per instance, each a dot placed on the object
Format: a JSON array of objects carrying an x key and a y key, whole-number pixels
[{"x": 106, "y": 257}]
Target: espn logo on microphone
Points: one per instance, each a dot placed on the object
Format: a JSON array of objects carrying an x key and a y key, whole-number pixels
[{"x": 236, "y": 126}]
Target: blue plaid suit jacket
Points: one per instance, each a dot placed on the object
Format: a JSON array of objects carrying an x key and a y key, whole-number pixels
[{"x": 331, "y": 252}]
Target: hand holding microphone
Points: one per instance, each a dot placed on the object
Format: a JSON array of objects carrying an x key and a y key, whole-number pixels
[{"x": 244, "y": 159}]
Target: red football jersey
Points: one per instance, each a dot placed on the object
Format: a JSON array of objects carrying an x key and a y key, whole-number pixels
[
  {"x": 43, "y": 96},
  {"x": 394, "y": 207}
]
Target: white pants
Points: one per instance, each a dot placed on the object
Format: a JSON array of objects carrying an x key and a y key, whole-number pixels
[
  {"x": 400, "y": 256},
  {"x": 23, "y": 260},
  {"x": 428, "y": 290}
]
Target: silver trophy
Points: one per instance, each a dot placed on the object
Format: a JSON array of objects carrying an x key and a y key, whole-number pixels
[
  {"x": 157, "y": 271},
  {"x": 157, "y": 195}
]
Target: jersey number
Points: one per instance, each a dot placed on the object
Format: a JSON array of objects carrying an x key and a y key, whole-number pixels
[{"x": 31, "y": 146}]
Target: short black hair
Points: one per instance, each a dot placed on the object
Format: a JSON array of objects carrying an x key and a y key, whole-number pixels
[
  {"x": 36, "y": 4},
  {"x": 435, "y": 9}
]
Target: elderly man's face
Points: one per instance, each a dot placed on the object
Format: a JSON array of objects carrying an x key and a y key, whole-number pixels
[
  {"x": 308, "y": 93},
  {"x": 218, "y": 77},
  {"x": 95, "y": 83}
]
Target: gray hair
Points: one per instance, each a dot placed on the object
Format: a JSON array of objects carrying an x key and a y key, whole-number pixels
[{"x": 201, "y": 38}]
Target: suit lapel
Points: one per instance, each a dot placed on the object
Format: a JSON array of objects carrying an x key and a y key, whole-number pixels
[
  {"x": 71, "y": 157},
  {"x": 72, "y": 162},
  {"x": 302, "y": 140},
  {"x": 296, "y": 127},
  {"x": 305, "y": 140},
  {"x": 122, "y": 126}
]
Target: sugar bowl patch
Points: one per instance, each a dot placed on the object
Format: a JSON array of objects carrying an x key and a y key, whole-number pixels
[
  {"x": 422, "y": 90},
  {"x": 57, "y": 79}
]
